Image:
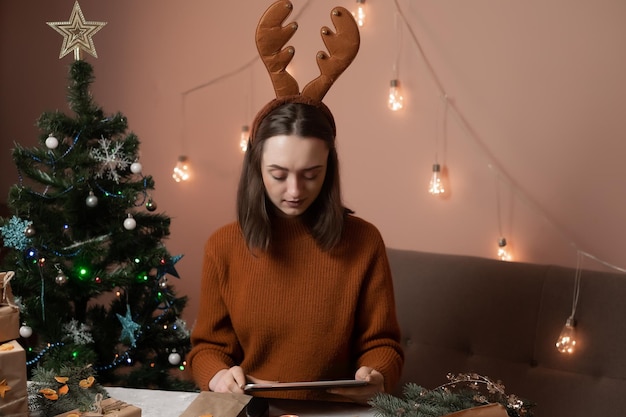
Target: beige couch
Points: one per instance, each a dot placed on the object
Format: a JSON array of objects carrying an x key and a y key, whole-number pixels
[{"x": 502, "y": 319}]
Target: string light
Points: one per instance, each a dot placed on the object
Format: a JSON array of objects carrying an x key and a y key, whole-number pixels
[
  {"x": 360, "y": 13},
  {"x": 503, "y": 253},
  {"x": 244, "y": 136},
  {"x": 566, "y": 343},
  {"x": 243, "y": 140},
  {"x": 436, "y": 186},
  {"x": 396, "y": 101},
  {"x": 181, "y": 171}
]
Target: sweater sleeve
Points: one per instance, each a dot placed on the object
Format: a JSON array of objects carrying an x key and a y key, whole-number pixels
[
  {"x": 377, "y": 333},
  {"x": 214, "y": 343}
]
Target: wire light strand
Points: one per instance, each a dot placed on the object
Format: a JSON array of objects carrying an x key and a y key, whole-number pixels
[{"x": 493, "y": 163}]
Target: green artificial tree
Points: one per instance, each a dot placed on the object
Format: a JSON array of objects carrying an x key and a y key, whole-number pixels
[{"x": 92, "y": 274}]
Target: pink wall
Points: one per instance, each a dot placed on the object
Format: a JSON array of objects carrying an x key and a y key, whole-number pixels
[{"x": 535, "y": 114}]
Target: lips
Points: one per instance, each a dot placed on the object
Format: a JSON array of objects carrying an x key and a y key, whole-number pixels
[{"x": 293, "y": 203}]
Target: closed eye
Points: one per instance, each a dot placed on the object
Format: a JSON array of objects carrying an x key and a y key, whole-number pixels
[
  {"x": 309, "y": 174},
  {"x": 312, "y": 173}
]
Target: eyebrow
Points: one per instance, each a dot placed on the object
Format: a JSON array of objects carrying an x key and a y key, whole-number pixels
[{"x": 275, "y": 166}]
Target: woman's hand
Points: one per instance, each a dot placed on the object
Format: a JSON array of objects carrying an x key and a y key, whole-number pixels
[
  {"x": 375, "y": 384},
  {"x": 233, "y": 380},
  {"x": 228, "y": 380}
]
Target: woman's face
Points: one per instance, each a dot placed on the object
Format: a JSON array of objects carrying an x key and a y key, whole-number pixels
[{"x": 293, "y": 170}]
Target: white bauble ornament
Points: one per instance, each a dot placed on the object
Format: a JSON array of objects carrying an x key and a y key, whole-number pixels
[
  {"x": 52, "y": 142},
  {"x": 130, "y": 223},
  {"x": 135, "y": 168},
  {"x": 174, "y": 358},
  {"x": 26, "y": 331},
  {"x": 91, "y": 200}
]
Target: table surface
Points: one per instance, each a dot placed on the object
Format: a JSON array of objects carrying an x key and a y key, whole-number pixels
[{"x": 155, "y": 403}]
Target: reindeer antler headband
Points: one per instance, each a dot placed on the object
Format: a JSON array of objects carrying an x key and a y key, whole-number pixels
[{"x": 271, "y": 37}]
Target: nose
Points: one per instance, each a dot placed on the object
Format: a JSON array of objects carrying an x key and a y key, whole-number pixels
[{"x": 294, "y": 186}]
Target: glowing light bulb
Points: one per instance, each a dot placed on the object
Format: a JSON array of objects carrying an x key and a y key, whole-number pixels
[
  {"x": 181, "y": 171},
  {"x": 243, "y": 140},
  {"x": 503, "y": 254},
  {"x": 566, "y": 343},
  {"x": 395, "y": 96},
  {"x": 360, "y": 14},
  {"x": 436, "y": 186}
]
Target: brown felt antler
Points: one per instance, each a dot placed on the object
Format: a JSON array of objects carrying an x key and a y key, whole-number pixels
[
  {"x": 342, "y": 45},
  {"x": 271, "y": 37}
]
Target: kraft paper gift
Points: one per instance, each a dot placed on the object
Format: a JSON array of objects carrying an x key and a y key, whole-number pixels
[
  {"x": 13, "y": 394},
  {"x": 489, "y": 410},
  {"x": 106, "y": 408},
  {"x": 218, "y": 404},
  {"x": 9, "y": 312}
]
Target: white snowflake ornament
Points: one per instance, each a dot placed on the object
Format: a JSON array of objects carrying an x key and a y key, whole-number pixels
[
  {"x": 112, "y": 159},
  {"x": 77, "y": 332}
]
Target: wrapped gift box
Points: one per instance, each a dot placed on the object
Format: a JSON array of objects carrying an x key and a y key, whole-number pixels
[
  {"x": 9, "y": 323},
  {"x": 108, "y": 408},
  {"x": 218, "y": 404},
  {"x": 489, "y": 410},
  {"x": 9, "y": 313},
  {"x": 13, "y": 394}
]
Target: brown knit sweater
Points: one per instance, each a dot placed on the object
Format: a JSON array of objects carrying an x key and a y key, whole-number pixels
[{"x": 297, "y": 313}]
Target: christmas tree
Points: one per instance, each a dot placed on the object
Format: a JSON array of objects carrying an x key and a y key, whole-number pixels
[{"x": 92, "y": 274}]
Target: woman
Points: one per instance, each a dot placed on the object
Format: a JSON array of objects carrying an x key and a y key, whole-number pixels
[{"x": 298, "y": 289}]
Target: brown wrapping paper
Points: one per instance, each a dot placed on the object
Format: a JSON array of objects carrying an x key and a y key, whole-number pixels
[
  {"x": 5, "y": 289},
  {"x": 9, "y": 323},
  {"x": 108, "y": 408},
  {"x": 489, "y": 410},
  {"x": 9, "y": 313},
  {"x": 218, "y": 404},
  {"x": 14, "y": 403}
]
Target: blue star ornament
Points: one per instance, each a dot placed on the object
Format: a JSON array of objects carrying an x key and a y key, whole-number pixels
[
  {"x": 129, "y": 327},
  {"x": 167, "y": 266},
  {"x": 77, "y": 33}
]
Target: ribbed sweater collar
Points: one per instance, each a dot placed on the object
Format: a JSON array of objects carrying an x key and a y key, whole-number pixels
[{"x": 289, "y": 229}]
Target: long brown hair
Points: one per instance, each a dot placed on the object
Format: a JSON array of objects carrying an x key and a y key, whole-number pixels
[{"x": 325, "y": 217}]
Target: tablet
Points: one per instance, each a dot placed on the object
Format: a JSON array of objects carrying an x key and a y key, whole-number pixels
[{"x": 278, "y": 386}]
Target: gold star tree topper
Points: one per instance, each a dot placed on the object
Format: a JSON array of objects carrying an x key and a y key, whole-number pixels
[{"x": 77, "y": 33}]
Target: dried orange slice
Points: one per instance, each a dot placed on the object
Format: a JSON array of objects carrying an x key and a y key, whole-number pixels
[
  {"x": 61, "y": 379},
  {"x": 87, "y": 383},
  {"x": 49, "y": 393},
  {"x": 64, "y": 390},
  {"x": 6, "y": 347}
]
